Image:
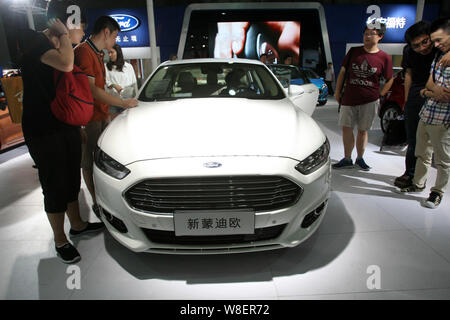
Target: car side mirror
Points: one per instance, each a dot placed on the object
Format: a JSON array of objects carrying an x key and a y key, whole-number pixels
[{"x": 294, "y": 91}]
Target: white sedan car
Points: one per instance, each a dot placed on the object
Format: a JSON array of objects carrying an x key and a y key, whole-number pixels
[{"x": 215, "y": 159}]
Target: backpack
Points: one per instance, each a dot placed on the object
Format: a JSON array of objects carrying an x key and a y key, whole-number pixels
[
  {"x": 395, "y": 133},
  {"x": 73, "y": 103}
]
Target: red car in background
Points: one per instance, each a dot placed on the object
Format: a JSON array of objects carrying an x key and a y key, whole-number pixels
[
  {"x": 10, "y": 132},
  {"x": 393, "y": 104}
]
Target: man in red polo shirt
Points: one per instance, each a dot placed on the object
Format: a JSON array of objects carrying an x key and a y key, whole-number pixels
[{"x": 89, "y": 57}]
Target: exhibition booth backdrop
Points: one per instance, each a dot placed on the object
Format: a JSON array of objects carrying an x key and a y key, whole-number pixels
[{"x": 344, "y": 25}]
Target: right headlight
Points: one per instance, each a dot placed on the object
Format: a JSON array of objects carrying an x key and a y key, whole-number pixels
[
  {"x": 109, "y": 166},
  {"x": 315, "y": 160}
]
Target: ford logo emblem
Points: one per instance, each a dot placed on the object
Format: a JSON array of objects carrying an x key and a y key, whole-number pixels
[
  {"x": 212, "y": 165},
  {"x": 126, "y": 22}
]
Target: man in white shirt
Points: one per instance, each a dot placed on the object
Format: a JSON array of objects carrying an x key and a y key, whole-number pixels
[{"x": 329, "y": 78}]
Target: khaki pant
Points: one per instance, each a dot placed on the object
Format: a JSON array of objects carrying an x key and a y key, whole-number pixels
[
  {"x": 93, "y": 131},
  {"x": 432, "y": 138}
]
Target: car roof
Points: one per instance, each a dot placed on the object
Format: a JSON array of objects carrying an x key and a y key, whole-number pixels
[
  {"x": 310, "y": 70},
  {"x": 211, "y": 60},
  {"x": 281, "y": 65}
]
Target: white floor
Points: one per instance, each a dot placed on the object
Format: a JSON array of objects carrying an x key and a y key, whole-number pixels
[{"x": 372, "y": 244}]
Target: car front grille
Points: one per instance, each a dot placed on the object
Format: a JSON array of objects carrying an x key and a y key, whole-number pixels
[
  {"x": 168, "y": 237},
  {"x": 258, "y": 193}
]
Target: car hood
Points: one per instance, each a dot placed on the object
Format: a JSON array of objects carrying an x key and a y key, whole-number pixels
[{"x": 211, "y": 127}]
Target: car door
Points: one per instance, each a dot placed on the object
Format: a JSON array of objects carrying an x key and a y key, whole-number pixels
[
  {"x": 302, "y": 92},
  {"x": 10, "y": 133}
]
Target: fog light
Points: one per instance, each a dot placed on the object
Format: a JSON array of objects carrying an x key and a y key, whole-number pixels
[
  {"x": 115, "y": 222},
  {"x": 311, "y": 217}
]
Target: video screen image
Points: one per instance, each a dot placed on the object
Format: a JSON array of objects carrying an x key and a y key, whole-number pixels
[
  {"x": 278, "y": 40},
  {"x": 249, "y": 33}
]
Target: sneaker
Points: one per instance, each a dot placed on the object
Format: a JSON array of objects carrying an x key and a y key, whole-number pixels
[
  {"x": 96, "y": 209},
  {"x": 410, "y": 189},
  {"x": 403, "y": 181},
  {"x": 433, "y": 200},
  {"x": 343, "y": 164},
  {"x": 90, "y": 228},
  {"x": 68, "y": 253},
  {"x": 362, "y": 164}
]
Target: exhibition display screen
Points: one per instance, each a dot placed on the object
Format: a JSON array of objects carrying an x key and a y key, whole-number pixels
[
  {"x": 251, "y": 39},
  {"x": 227, "y": 31}
]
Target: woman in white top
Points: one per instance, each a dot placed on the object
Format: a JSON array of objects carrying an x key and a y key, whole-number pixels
[{"x": 120, "y": 77}]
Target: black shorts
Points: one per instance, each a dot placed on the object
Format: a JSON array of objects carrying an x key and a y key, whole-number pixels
[{"x": 58, "y": 158}]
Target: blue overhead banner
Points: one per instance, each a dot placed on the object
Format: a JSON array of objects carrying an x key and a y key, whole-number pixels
[
  {"x": 342, "y": 18},
  {"x": 133, "y": 24},
  {"x": 398, "y": 18}
]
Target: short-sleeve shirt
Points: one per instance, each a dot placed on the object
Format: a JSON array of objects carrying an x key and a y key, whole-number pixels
[
  {"x": 364, "y": 74},
  {"x": 329, "y": 74},
  {"x": 433, "y": 111},
  {"x": 419, "y": 65},
  {"x": 38, "y": 86},
  {"x": 90, "y": 60},
  {"x": 125, "y": 78}
]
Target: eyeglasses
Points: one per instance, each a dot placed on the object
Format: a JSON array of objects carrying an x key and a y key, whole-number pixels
[
  {"x": 372, "y": 34},
  {"x": 417, "y": 45}
]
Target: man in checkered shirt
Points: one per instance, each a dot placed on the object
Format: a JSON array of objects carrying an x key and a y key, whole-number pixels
[{"x": 433, "y": 134}]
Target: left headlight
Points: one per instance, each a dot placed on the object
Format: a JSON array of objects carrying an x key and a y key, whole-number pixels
[
  {"x": 315, "y": 160},
  {"x": 109, "y": 166}
]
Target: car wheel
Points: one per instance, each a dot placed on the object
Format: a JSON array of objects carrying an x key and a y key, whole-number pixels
[
  {"x": 321, "y": 103},
  {"x": 391, "y": 112}
]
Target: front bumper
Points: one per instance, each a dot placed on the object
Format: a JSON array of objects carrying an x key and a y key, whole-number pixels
[{"x": 110, "y": 196}]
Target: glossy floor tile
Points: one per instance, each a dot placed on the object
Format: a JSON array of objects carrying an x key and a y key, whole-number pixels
[{"x": 373, "y": 244}]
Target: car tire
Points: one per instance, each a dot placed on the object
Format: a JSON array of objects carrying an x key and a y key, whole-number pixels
[
  {"x": 388, "y": 113},
  {"x": 323, "y": 102}
]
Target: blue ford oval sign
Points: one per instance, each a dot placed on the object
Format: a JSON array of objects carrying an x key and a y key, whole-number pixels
[
  {"x": 212, "y": 165},
  {"x": 126, "y": 22}
]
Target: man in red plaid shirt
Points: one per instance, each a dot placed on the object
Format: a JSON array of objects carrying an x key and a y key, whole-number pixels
[{"x": 433, "y": 133}]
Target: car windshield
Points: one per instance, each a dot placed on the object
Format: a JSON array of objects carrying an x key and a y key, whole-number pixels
[
  {"x": 204, "y": 80},
  {"x": 288, "y": 74},
  {"x": 311, "y": 74}
]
